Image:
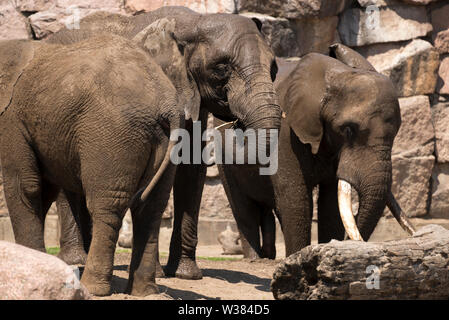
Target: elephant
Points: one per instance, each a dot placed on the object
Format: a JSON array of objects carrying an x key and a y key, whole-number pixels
[
  {"x": 96, "y": 125},
  {"x": 233, "y": 69},
  {"x": 340, "y": 121}
]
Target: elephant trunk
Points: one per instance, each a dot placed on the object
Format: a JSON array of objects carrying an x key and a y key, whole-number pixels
[
  {"x": 373, "y": 184},
  {"x": 253, "y": 99},
  {"x": 372, "y": 202}
]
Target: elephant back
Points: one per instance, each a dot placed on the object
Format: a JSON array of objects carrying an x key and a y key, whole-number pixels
[{"x": 15, "y": 55}]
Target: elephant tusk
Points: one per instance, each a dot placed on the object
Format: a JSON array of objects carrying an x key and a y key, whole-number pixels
[
  {"x": 399, "y": 215},
  {"x": 345, "y": 207}
]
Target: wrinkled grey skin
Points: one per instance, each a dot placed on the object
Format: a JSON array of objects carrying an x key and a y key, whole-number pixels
[
  {"x": 233, "y": 69},
  {"x": 96, "y": 125},
  {"x": 340, "y": 123}
]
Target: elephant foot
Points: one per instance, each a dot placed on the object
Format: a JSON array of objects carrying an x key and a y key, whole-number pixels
[
  {"x": 268, "y": 254},
  {"x": 141, "y": 289},
  {"x": 73, "y": 256},
  {"x": 185, "y": 269},
  {"x": 97, "y": 288}
]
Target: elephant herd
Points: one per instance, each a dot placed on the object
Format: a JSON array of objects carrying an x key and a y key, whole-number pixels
[{"x": 86, "y": 121}]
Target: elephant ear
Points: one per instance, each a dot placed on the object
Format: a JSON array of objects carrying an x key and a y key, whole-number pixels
[
  {"x": 159, "y": 40},
  {"x": 301, "y": 93},
  {"x": 349, "y": 57},
  {"x": 15, "y": 55},
  {"x": 304, "y": 93}
]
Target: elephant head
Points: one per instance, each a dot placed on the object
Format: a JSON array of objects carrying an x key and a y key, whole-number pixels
[
  {"x": 159, "y": 41},
  {"x": 347, "y": 111},
  {"x": 229, "y": 60}
]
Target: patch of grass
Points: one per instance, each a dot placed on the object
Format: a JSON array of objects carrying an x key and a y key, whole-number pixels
[
  {"x": 163, "y": 254},
  {"x": 218, "y": 258},
  {"x": 53, "y": 250},
  {"x": 123, "y": 250}
]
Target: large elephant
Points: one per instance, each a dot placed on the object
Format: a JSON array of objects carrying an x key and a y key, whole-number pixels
[
  {"x": 340, "y": 123},
  {"x": 233, "y": 69},
  {"x": 94, "y": 119}
]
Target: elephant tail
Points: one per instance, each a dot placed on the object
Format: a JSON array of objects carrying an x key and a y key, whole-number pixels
[
  {"x": 174, "y": 123},
  {"x": 159, "y": 173}
]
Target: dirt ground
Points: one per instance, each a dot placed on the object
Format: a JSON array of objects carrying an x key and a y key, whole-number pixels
[{"x": 224, "y": 278}]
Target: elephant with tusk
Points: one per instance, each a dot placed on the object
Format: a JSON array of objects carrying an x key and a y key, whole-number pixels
[{"x": 341, "y": 118}]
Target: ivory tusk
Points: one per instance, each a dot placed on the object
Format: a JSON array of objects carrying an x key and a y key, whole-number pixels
[
  {"x": 399, "y": 215},
  {"x": 345, "y": 207}
]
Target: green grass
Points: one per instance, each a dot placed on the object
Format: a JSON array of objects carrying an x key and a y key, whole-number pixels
[
  {"x": 123, "y": 250},
  {"x": 218, "y": 258},
  {"x": 53, "y": 250}
]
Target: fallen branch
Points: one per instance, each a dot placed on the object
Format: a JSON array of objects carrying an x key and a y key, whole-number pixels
[{"x": 412, "y": 268}]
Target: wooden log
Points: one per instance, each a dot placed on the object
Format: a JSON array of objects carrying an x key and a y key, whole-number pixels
[{"x": 412, "y": 268}]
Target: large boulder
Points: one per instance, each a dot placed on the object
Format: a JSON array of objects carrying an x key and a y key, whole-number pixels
[
  {"x": 412, "y": 66},
  {"x": 440, "y": 118},
  {"x": 359, "y": 27},
  {"x": 297, "y": 37},
  {"x": 279, "y": 33},
  {"x": 443, "y": 76},
  {"x": 412, "y": 156},
  {"x": 440, "y": 22},
  {"x": 294, "y": 9},
  {"x": 201, "y": 6},
  {"x": 67, "y": 13},
  {"x": 416, "y": 134},
  {"x": 30, "y": 6},
  {"x": 13, "y": 25},
  {"x": 439, "y": 206},
  {"x": 27, "y": 274},
  {"x": 383, "y": 3},
  {"x": 411, "y": 268}
]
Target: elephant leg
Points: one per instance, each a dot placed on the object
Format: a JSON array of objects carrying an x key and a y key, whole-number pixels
[
  {"x": 107, "y": 211},
  {"x": 296, "y": 220},
  {"x": 330, "y": 225},
  {"x": 293, "y": 192},
  {"x": 71, "y": 239},
  {"x": 146, "y": 224},
  {"x": 187, "y": 192},
  {"x": 24, "y": 192},
  {"x": 268, "y": 230},
  {"x": 247, "y": 214}
]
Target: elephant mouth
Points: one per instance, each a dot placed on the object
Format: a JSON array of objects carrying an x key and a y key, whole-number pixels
[
  {"x": 347, "y": 216},
  {"x": 224, "y": 118}
]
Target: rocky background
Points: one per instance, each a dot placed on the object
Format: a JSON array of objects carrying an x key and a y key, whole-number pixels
[{"x": 407, "y": 40}]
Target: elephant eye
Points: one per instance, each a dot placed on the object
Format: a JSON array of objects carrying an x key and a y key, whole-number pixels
[
  {"x": 221, "y": 70},
  {"x": 349, "y": 131}
]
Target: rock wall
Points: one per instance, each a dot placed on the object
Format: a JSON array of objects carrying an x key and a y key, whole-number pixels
[{"x": 407, "y": 40}]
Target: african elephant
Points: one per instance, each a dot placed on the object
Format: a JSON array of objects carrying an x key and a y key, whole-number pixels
[
  {"x": 233, "y": 69},
  {"x": 96, "y": 124},
  {"x": 341, "y": 118}
]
